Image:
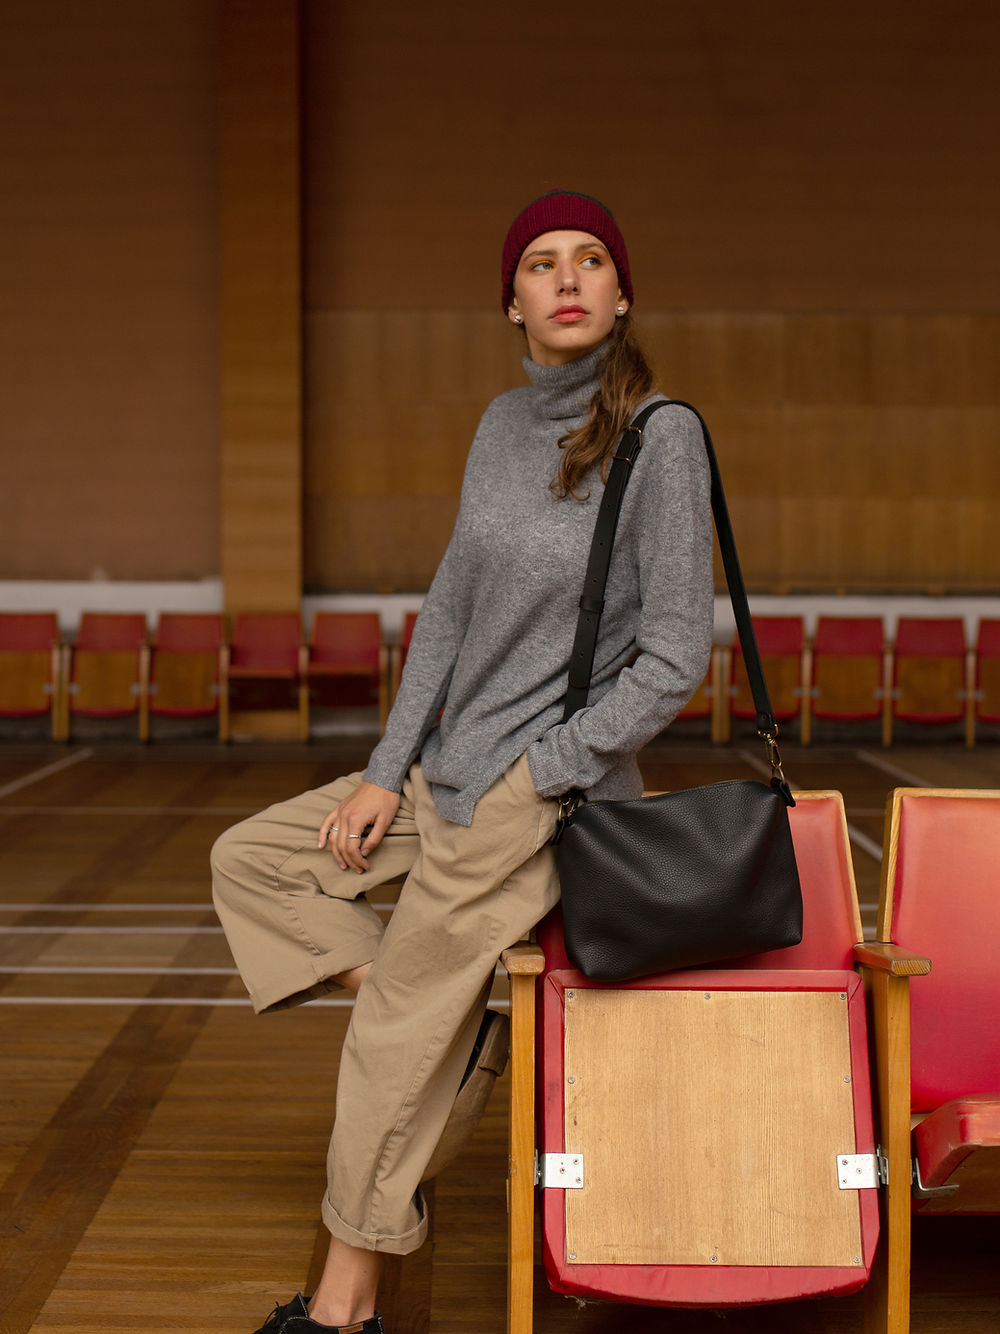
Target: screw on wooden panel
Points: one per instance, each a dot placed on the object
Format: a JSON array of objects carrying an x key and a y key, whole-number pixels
[
  {"x": 847, "y": 1079},
  {"x": 708, "y": 995},
  {"x": 571, "y": 1079},
  {"x": 843, "y": 995},
  {"x": 715, "y": 1259},
  {"x": 857, "y": 1259},
  {"x": 572, "y": 1255},
  {"x": 570, "y": 995}
]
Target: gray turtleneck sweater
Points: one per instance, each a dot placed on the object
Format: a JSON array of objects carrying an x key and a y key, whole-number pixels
[{"x": 492, "y": 643}]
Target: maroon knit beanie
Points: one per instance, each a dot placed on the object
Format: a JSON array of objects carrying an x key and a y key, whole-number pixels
[{"x": 563, "y": 210}]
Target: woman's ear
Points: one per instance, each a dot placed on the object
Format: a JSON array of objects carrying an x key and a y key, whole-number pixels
[
  {"x": 621, "y": 305},
  {"x": 513, "y": 314}
]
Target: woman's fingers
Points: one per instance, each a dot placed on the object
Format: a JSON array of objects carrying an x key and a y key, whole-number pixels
[{"x": 356, "y": 827}]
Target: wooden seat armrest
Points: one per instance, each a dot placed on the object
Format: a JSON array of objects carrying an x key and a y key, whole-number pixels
[
  {"x": 523, "y": 959},
  {"x": 887, "y": 958}
]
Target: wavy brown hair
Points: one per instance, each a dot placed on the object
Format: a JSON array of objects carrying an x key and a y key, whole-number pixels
[{"x": 626, "y": 380}]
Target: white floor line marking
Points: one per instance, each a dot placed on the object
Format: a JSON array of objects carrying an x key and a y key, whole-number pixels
[
  {"x": 130, "y": 907},
  {"x": 57, "y": 970},
  {"x": 894, "y": 771},
  {"x": 56, "y": 767},
  {"x": 110, "y": 930},
  {"x": 219, "y": 1003},
  {"x": 127, "y": 810},
  {"x": 865, "y": 843},
  {"x": 106, "y": 907}
]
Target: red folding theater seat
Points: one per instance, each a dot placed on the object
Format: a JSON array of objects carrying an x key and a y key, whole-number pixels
[
  {"x": 705, "y": 1137},
  {"x": 941, "y": 865},
  {"x": 348, "y": 661},
  {"x": 31, "y": 668},
  {"x": 108, "y": 670}
]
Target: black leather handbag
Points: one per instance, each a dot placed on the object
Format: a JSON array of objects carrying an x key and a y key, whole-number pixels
[{"x": 686, "y": 878}]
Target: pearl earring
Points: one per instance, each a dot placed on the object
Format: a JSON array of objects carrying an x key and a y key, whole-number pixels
[
  {"x": 518, "y": 319},
  {"x": 621, "y": 310}
]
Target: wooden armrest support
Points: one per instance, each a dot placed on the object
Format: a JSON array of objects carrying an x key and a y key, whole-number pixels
[
  {"x": 892, "y": 959},
  {"x": 523, "y": 959}
]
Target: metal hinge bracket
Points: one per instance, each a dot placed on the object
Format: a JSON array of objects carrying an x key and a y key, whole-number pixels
[
  {"x": 561, "y": 1171},
  {"x": 861, "y": 1171},
  {"x": 922, "y": 1192}
]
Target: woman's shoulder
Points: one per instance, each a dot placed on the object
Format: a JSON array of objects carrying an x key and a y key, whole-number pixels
[{"x": 672, "y": 426}]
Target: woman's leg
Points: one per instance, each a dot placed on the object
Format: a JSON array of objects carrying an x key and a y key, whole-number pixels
[
  {"x": 471, "y": 892},
  {"x": 296, "y": 923}
]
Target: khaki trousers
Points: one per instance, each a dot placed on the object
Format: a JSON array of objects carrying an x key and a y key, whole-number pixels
[{"x": 294, "y": 919}]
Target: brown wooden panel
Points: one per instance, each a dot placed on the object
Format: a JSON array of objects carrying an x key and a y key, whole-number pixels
[
  {"x": 109, "y": 273},
  {"x": 261, "y": 368},
  {"x": 822, "y": 159},
  {"x": 862, "y": 487},
  {"x": 718, "y": 1103}
]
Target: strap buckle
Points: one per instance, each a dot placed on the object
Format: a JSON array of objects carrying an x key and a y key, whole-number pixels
[{"x": 770, "y": 738}]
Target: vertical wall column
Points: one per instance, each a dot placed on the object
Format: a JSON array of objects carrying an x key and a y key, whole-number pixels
[{"x": 261, "y": 297}]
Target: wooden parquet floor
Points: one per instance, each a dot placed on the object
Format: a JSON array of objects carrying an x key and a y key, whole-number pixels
[{"x": 162, "y": 1151}]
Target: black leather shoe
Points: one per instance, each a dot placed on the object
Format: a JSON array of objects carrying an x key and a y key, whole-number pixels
[{"x": 294, "y": 1318}]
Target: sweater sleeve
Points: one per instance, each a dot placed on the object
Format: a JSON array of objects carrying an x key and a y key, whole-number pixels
[
  {"x": 670, "y": 533},
  {"x": 430, "y": 661}
]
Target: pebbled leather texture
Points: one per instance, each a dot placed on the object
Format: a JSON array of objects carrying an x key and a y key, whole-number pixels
[{"x": 678, "y": 880}]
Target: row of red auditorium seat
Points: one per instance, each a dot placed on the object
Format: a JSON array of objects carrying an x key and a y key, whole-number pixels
[
  {"x": 192, "y": 667},
  {"x": 849, "y": 672},
  {"x": 852, "y": 672}
]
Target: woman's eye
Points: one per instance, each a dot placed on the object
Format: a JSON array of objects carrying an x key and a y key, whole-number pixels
[
  {"x": 591, "y": 260},
  {"x": 541, "y": 264}
]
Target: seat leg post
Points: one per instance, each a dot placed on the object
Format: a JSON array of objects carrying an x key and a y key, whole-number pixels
[
  {"x": 887, "y": 1297},
  {"x": 521, "y": 1179}
]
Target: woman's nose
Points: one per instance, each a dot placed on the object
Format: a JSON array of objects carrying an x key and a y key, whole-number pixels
[{"x": 567, "y": 279}]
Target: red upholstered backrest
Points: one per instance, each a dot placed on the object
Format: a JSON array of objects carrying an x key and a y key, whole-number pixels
[
  {"x": 988, "y": 640},
  {"x": 849, "y": 636},
  {"x": 831, "y": 920},
  {"x": 776, "y": 634},
  {"x": 267, "y": 639},
  {"x": 189, "y": 632},
  {"x": 347, "y": 638},
  {"x": 111, "y": 631},
  {"x": 944, "y": 895},
  {"x": 930, "y": 637},
  {"x": 28, "y": 631}
]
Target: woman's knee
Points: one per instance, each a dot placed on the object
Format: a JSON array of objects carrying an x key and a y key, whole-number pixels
[{"x": 230, "y": 854}]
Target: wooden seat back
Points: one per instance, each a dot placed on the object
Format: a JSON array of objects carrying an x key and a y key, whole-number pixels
[
  {"x": 29, "y": 663},
  {"x": 929, "y": 669},
  {"x": 847, "y": 667},
  {"x": 107, "y": 677},
  {"x": 781, "y": 641},
  {"x": 185, "y": 666}
]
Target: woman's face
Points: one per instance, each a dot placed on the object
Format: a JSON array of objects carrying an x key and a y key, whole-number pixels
[{"x": 567, "y": 296}]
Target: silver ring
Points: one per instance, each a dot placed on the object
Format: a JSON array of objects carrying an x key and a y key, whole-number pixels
[
  {"x": 334, "y": 828},
  {"x": 353, "y": 835}
]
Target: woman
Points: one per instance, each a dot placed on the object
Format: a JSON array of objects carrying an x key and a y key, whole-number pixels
[{"x": 461, "y": 792}]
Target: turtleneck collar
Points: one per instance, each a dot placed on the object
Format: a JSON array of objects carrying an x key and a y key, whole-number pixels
[{"x": 564, "y": 391}]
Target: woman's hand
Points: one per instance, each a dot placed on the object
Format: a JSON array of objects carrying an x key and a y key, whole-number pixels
[{"x": 355, "y": 827}]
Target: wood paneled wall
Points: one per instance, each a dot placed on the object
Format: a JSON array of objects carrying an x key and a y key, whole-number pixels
[
  {"x": 261, "y": 362},
  {"x": 811, "y": 206},
  {"x": 859, "y": 452},
  {"x": 811, "y": 221},
  {"x": 109, "y": 280}
]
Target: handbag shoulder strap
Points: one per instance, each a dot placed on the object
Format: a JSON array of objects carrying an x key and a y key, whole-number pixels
[{"x": 592, "y": 600}]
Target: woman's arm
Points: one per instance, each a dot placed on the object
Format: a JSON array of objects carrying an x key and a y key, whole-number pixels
[{"x": 670, "y": 526}]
